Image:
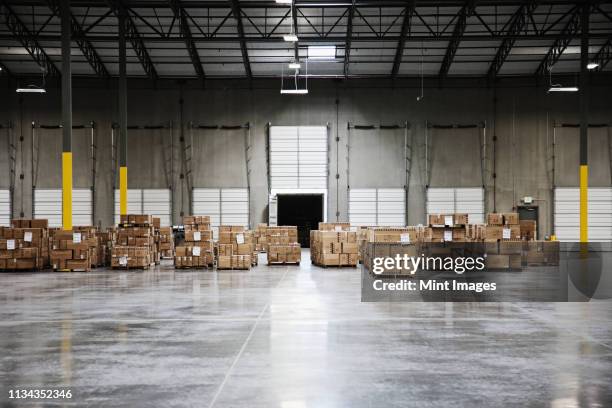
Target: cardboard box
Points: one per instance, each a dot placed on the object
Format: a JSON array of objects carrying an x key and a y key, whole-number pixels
[
  {"x": 350, "y": 248},
  {"x": 460, "y": 219},
  {"x": 497, "y": 262},
  {"x": 493, "y": 232},
  {"x": 224, "y": 262},
  {"x": 528, "y": 229},
  {"x": 511, "y": 218},
  {"x": 495, "y": 219}
]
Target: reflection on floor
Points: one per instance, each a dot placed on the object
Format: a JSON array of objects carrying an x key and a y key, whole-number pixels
[{"x": 290, "y": 337}]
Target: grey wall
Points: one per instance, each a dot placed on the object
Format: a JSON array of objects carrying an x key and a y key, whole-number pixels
[{"x": 521, "y": 121}]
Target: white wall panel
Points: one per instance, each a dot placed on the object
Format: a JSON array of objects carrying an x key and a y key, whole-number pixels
[
  {"x": 567, "y": 214},
  {"x": 5, "y": 208},
  {"x": 468, "y": 200},
  {"x": 225, "y": 206},
  {"x": 377, "y": 207},
  {"x": 155, "y": 202},
  {"x": 48, "y": 205}
]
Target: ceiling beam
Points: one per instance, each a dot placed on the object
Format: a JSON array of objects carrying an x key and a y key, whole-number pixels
[
  {"x": 243, "y": 47},
  {"x": 569, "y": 32},
  {"x": 604, "y": 55},
  {"x": 405, "y": 31},
  {"x": 181, "y": 16},
  {"x": 85, "y": 46},
  {"x": 519, "y": 21},
  {"x": 28, "y": 40},
  {"x": 135, "y": 39},
  {"x": 466, "y": 11},
  {"x": 349, "y": 36},
  {"x": 215, "y": 4}
]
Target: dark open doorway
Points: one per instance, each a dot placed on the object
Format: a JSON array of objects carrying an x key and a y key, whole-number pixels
[{"x": 303, "y": 210}]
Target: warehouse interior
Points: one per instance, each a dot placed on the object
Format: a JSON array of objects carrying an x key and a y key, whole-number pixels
[{"x": 397, "y": 111}]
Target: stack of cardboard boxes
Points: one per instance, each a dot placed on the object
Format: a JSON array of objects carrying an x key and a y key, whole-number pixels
[
  {"x": 259, "y": 236},
  {"x": 502, "y": 238},
  {"x": 334, "y": 248},
  {"x": 165, "y": 243},
  {"x": 196, "y": 251},
  {"x": 283, "y": 246},
  {"x": 235, "y": 247},
  {"x": 502, "y": 227},
  {"x": 389, "y": 242},
  {"x": 25, "y": 246},
  {"x": 134, "y": 247},
  {"x": 448, "y": 227},
  {"x": 89, "y": 235},
  {"x": 73, "y": 250}
]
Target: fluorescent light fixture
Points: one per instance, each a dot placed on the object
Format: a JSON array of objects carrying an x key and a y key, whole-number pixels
[
  {"x": 294, "y": 91},
  {"x": 295, "y": 65},
  {"x": 592, "y": 65},
  {"x": 284, "y": 1},
  {"x": 290, "y": 37},
  {"x": 31, "y": 89},
  {"x": 322, "y": 52},
  {"x": 563, "y": 89}
]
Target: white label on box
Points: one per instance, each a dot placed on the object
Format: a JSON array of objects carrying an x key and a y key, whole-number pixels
[
  {"x": 354, "y": 229},
  {"x": 27, "y": 236},
  {"x": 123, "y": 260},
  {"x": 197, "y": 236},
  {"x": 240, "y": 239},
  {"x": 337, "y": 228},
  {"x": 506, "y": 233},
  {"x": 405, "y": 238},
  {"x": 448, "y": 235},
  {"x": 10, "y": 244},
  {"x": 76, "y": 237},
  {"x": 448, "y": 220},
  {"x": 195, "y": 251}
]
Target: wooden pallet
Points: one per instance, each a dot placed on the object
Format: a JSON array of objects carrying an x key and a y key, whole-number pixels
[
  {"x": 233, "y": 269},
  {"x": 335, "y": 266},
  {"x": 72, "y": 270},
  {"x": 283, "y": 263}
]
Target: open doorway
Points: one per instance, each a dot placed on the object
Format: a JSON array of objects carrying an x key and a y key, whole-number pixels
[{"x": 303, "y": 210}]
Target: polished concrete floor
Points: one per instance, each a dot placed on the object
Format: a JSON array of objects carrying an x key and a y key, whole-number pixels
[{"x": 289, "y": 337}]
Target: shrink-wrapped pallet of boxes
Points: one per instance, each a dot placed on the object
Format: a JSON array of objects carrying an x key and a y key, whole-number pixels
[
  {"x": 72, "y": 250},
  {"x": 197, "y": 248},
  {"x": 334, "y": 248},
  {"x": 235, "y": 248},
  {"x": 134, "y": 247},
  {"x": 21, "y": 249},
  {"x": 283, "y": 246}
]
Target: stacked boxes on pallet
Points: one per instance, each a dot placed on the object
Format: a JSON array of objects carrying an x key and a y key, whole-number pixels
[
  {"x": 89, "y": 235},
  {"x": 503, "y": 246},
  {"x": 196, "y": 251},
  {"x": 448, "y": 227},
  {"x": 134, "y": 246},
  {"x": 235, "y": 248},
  {"x": 390, "y": 242},
  {"x": 283, "y": 246},
  {"x": 259, "y": 236},
  {"x": 72, "y": 250},
  {"x": 25, "y": 246},
  {"x": 165, "y": 243},
  {"x": 334, "y": 248}
]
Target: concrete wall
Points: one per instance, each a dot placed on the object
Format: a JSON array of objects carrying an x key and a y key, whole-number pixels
[{"x": 521, "y": 122}]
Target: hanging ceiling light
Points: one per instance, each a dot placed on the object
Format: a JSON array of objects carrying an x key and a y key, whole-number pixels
[
  {"x": 295, "y": 65},
  {"x": 294, "y": 90},
  {"x": 284, "y": 1},
  {"x": 592, "y": 65},
  {"x": 558, "y": 88},
  {"x": 31, "y": 88}
]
